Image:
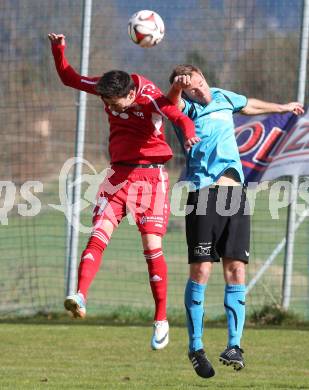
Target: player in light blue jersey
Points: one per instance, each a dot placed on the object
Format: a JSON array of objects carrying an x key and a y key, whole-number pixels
[{"x": 217, "y": 226}]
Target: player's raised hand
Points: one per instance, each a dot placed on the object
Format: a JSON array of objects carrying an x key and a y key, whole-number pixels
[
  {"x": 182, "y": 81},
  {"x": 56, "y": 39},
  {"x": 295, "y": 107},
  {"x": 191, "y": 141}
]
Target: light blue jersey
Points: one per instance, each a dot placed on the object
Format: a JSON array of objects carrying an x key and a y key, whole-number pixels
[{"x": 217, "y": 151}]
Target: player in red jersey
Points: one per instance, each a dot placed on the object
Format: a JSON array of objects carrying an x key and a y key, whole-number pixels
[{"x": 139, "y": 184}]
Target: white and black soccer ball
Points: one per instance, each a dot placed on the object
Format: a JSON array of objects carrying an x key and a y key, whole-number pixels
[{"x": 146, "y": 28}]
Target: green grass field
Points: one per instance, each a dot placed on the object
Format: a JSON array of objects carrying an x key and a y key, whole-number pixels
[{"x": 69, "y": 356}]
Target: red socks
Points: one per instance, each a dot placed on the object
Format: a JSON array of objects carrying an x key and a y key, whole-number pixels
[
  {"x": 157, "y": 270},
  {"x": 91, "y": 260}
]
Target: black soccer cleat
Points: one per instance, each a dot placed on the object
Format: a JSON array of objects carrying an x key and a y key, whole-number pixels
[
  {"x": 232, "y": 356},
  {"x": 201, "y": 364}
]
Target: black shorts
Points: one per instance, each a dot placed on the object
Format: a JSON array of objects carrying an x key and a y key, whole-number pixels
[{"x": 218, "y": 224}]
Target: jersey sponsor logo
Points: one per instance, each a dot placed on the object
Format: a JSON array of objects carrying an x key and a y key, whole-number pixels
[
  {"x": 148, "y": 88},
  {"x": 203, "y": 249},
  {"x": 139, "y": 114}
]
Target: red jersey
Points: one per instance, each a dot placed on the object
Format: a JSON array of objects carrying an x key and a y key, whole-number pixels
[{"x": 137, "y": 134}]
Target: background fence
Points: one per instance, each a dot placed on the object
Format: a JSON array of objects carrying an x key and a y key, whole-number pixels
[{"x": 250, "y": 47}]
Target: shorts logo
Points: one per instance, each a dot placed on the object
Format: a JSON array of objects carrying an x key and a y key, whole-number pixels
[
  {"x": 101, "y": 206},
  {"x": 143, "y": 220},
  {"x": 203, "y": 249},
  {"x": 152, "y": 218}
]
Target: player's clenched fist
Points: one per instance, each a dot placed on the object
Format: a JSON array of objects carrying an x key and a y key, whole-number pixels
[
  {"x": 182, "y": 81},
  {"x": 58, "y": 39}
]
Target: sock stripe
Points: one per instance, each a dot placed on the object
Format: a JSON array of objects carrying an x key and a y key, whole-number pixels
[
  {"x": 100, "y": 233},
  {"x": 234, "y": 314},
  {"x": 153, "y": 256},
  {"x": 189, "y": 317},
  {"x": 194, "y": 304},
  {"x": 234, "y": 303},
  {"x": 100, "y": 236}
]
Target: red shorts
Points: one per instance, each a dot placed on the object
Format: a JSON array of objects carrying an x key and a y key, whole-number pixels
[{"x": 142, "y": 192}]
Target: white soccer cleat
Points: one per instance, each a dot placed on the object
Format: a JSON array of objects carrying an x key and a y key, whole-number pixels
[
  {"x": 160, "y": 337},
  {"x": 76, "y": 305}
]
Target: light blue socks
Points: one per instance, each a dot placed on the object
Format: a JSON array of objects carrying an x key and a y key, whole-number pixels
[
  {"x": 194, "y": 302},
  {"x": 234, "y": 303}
]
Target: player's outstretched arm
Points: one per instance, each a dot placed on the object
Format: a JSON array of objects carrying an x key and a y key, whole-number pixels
[
  {"x": 256, "y": 107},
  {"x": 65, "y": 71},
  {"x": 172, "y": 112},
  {"x": 174, "y": 94}
]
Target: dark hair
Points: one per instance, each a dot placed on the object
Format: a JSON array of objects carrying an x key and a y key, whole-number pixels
[
  {"x": 115, "y": 83},
  {"x": 184, "y": 69}
]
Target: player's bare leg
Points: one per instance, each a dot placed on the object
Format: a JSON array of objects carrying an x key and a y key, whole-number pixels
[{"x": 157, "y": 269}]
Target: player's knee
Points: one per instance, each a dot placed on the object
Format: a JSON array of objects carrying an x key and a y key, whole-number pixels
[
  {"x": 239, "y": 275},
  {"x": 152, "y": 242},
  {"x": 200, "y": 272},
  {"x": 236, "y": 274}
]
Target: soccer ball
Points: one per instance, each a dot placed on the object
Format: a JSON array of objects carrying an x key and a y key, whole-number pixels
[{"x": 146, "y": 28}]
